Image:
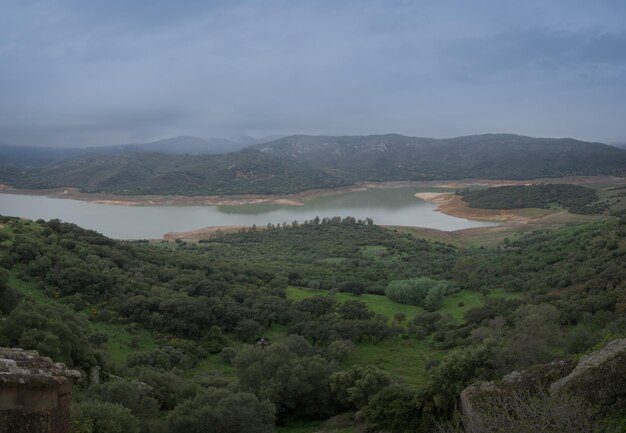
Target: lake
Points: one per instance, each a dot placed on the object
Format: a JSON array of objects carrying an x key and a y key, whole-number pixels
[{"x": 384, "y": 206}]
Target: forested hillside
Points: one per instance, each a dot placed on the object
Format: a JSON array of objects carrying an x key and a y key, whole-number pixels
[
  {"x": 359, "y": 318},
  {"x": 297, "y": 163},
  {"x": 574, "y": 198},
  {"x": 244, "y": 172},
  {"x": 488, "y": 156}
]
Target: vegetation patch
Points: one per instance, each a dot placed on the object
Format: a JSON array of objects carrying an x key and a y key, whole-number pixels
[{"x": 574, "y": 198}]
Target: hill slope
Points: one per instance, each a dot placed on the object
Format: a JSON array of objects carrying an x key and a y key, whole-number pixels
[
  {"x": 489, "y": 156},
  {"x": 299, "y": 162},
  {"x": 243, "y": 172}
]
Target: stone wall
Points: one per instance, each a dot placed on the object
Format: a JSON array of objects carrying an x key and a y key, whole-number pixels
[{"x": 35, "y": 393}]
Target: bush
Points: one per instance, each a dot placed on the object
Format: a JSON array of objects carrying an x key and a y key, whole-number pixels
[
  {"x": 417, "y": 291},
  {"x": 222, "y": 411},
  {"x": 103, "y": 417}
]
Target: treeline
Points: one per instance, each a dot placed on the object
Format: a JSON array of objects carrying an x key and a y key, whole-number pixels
[
  {"x": 220, "y": 297},
  {"x": 574, "y": 198}
]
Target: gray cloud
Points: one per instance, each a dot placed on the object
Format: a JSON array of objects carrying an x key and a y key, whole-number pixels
[{"x": 97, "y": 73}]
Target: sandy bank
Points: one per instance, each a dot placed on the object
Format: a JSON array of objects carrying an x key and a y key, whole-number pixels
[
  {"x": 295, "y": 199},
  {"x": 453, "y": 205}
]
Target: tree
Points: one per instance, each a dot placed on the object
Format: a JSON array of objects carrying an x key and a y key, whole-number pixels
[
  {"x": 52, "y": 329},
  {"x": 395, "y": 408},
  {"x": 104, "y": 417},
  {"x": 296, "y": 383},
  {"x": 414, "y": 291},
  {"x": 339, "y": 350},
  {"x": 317, "y": 305},
  {"x": 536, "y": 331},
  {"x": 355, "y": 310},
  {"x": 355, "y": 387},
  {"x": 460, "y": 368},
  {"x": 434, "y": 298},
  {"x": 132, "y": 395},
  {"x": 399, "y": 317},
  {"x": 8, "y": 296},
  {"x": 249, "y": 330},
  {"x": 222, "y": 411}
]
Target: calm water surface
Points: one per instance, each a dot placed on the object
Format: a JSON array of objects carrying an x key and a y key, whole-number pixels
[{"x": 384, "y": 206}]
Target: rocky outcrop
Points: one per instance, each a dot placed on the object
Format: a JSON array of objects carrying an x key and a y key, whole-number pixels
[
  {"x": 527, "y": 381},
  {"x": 35, "y": 393},
  {"x": 599, "y": 377}
]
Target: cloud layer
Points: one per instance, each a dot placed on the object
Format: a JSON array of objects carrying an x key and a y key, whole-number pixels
[{"x": 96, "y": 73}]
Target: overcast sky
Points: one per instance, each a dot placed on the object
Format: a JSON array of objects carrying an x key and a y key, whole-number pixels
[{"x": 88, "y": 72}]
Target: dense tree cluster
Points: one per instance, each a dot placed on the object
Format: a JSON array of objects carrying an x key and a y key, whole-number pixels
[
  {"x": 564, "y": 294},
  {"x": 575, "y": 198}
]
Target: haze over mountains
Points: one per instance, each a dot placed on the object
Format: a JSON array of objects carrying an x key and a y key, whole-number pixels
[
  {"x": 34, "y": 155},
  {"x": 193, "y": 166}
]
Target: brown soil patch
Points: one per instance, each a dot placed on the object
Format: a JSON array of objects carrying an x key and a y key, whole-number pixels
[{"x": 454, "y": 205}]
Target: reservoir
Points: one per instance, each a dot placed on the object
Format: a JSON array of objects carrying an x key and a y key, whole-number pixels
[{"x": 385, "y": 206}]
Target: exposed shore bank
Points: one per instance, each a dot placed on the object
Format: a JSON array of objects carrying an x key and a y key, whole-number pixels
[{"x": 294, "y": 199}]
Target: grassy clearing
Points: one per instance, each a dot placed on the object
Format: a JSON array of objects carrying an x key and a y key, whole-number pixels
[
  {"x": 373, "y": 251},
  {"x": 213, "y": 364},
  {"x": 457, "y": 304},
  {"x": 382, "y": 305},
  {"x": 377, "y": 303},
  {"x": 27, "y": 289},
  {"x": 403, "y": 358},
  {"x": 123, "y": 341}
]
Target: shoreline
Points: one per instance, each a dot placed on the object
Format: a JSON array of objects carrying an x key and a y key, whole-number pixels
[
  {"x": 451, "y": 204},
  {"x": 293, "y": 199}
]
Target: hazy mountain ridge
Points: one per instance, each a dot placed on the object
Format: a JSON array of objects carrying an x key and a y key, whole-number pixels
[
  {"x": 497, "y": 156},
  {"x": 299, "y": 162},
  {"x": 181, "y": 145},
  {"x": 245, "y": 171}
]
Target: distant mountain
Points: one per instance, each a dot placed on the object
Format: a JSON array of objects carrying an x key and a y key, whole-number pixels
[
  {"x": 490, "y": 156},
  {"x": 243, "y": 172},
  {"x": 38, "y": 156},
  {"x": 301, "y": 162},
  {"x": 35, "y": 156},
  {"x": 184, "y": 145}
]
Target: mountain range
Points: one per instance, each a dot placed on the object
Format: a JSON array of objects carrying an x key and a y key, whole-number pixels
[
  {"x": 38, "y": 156},
  {"x": 300, "y": 162}
]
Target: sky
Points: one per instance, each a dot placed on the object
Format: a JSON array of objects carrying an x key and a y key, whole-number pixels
[{"x": 85, "y": 73}]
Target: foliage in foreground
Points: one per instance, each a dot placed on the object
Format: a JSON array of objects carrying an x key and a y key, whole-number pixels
[{"x": 177, "y": 307}]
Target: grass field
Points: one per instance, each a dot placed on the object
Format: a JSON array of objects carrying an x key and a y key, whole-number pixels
[
  {"x": 27, "y": 289},
  {"x": 377, "y": 303},
  {"x": 123, "y": 341},
  {"x": 401, "y": 358},
  {"x": 456, "y": 304},
  {"x": 405, "y": 358}
]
